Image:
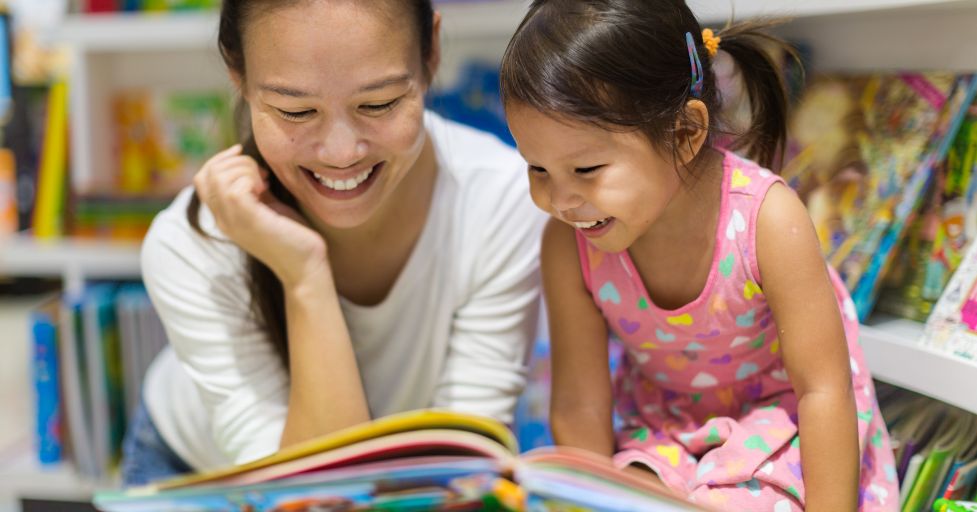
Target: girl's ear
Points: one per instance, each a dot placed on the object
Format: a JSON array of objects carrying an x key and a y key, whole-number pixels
[{"x": 691, "y": 131}]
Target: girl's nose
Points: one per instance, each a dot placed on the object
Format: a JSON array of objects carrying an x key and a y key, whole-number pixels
[{"x": 564, "y": 199}]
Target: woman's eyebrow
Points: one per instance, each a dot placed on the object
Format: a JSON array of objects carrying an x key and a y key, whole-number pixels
[
  {"x": 386, "y": 82},
  {"x": 282, "y": 90}
]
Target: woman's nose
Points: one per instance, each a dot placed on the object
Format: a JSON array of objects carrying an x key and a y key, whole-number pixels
[{"x": 341, "y": 146}]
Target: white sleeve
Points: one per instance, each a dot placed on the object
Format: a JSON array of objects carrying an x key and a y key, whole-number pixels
[
  {"x": 493, "y": 330},
  {"x": 198, "y": 287}
]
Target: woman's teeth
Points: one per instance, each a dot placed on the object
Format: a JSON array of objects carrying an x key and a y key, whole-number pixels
[
  {"x": 591, "y": 224},
  {"x": 347, "y": 184}
]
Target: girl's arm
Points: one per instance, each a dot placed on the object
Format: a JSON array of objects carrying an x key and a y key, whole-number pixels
[
  {"x": 795, "y": 283},
  {"x": 581, "y": 402}
]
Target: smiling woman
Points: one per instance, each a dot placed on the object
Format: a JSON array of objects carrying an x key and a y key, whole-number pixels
[{"x": 354, "y": 257}]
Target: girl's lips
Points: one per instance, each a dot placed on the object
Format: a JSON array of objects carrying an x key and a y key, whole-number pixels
[
  {"x": 599, "y": 230},
  {"x": 332, "y": 193}
]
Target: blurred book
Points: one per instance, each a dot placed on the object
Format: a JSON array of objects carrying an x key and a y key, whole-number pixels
[
  {"x": 163, "y": 138},
  {"x": 952, "y": 327},
  {"x": 861, "y": 153}
]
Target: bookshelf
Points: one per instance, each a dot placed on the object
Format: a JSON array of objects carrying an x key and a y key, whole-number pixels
[
  {"x": 72, "y": 260},
  {"x": 179, "y": 51},
  {"x": 894, "y": 356}
]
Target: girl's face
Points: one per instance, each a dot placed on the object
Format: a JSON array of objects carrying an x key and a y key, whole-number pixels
[
  {"x": 609, "y": 186},
  {"x": 336, "y": 95}
]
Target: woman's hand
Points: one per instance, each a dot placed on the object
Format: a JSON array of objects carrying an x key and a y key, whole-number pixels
[{"x": 236, "y": 190}]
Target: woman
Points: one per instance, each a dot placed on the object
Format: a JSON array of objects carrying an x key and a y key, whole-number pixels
[{"x": 357, "y": 257}]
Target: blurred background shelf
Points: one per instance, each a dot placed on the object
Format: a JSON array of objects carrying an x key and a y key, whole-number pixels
[
  {"x": 73, "y": 260},
  {"x": 894, "y": 356}
]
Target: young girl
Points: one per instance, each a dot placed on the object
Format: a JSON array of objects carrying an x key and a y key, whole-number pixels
[
  {"x": 743, "y": 385},
  {"x": 358, "y": 257}
]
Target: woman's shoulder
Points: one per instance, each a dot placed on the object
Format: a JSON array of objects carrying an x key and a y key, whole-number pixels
[
  {"x": 172, "y": 240},
  {"x": 468, "y": 153}
]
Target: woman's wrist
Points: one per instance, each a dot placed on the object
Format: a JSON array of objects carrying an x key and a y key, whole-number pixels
[{"x": 312, "y": 286}]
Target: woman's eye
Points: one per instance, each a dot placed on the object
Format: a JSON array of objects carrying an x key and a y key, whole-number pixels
[
  {"x": 587, "y": 170},
  {"x": 381, "y": 108},
  {"x": 295, "y": 116}
]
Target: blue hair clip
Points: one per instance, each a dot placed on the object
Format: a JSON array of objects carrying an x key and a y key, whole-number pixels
[{"x": 696, "y": 64}]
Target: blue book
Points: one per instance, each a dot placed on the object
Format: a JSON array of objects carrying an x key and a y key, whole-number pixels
[{"x": 47, "y": 384}]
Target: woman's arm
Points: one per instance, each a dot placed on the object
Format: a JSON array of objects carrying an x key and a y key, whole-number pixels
[
  {"x": 325, "y": 392},
  {"x": 812, "y": 338},
  {"x": 581, "y": 402}
]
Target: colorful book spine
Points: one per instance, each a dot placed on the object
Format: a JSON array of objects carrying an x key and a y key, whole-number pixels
[
  {"x": 53, "y": 172},
  {"x": 47, "y": 387}
]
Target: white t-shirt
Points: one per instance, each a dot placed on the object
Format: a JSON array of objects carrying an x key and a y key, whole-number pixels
[{"x": 454, "y": 331}]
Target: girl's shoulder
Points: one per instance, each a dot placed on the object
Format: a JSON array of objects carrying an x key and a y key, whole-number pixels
[{"x": 746, "y": 177}]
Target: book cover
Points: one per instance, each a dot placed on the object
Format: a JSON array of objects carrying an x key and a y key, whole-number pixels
[{"x": 952, "y": 327}]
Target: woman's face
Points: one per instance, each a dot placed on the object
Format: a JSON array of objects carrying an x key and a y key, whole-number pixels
[{"x": 336, "y": 94}]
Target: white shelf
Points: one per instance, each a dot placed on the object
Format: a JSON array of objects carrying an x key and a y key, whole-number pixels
[
  {"x": 488, "y": 19},
  {"x": 893, "y": 354},
  {"x": 72, "y": 260},
  {"x": 137, "y": 31},
  {"x": 21, "y": 476},
  {"x": 131, "y": 31},
  {"x": 711, "y": 11}
]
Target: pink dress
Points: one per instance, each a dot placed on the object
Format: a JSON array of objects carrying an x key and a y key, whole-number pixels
[{"x": 702, "y": 390}]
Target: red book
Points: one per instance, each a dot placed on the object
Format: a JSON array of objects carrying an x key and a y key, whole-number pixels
[{"x": 101, "y": 6}]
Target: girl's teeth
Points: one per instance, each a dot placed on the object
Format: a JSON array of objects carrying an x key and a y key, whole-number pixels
[{"x": 589, "y": 224}]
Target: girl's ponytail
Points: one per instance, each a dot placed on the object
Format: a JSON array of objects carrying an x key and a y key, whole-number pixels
[{"x": 752, "y": 50}]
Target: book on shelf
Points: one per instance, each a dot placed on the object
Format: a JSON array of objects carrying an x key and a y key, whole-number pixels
[
  {"x": 162, "y": 138},
  {"x": 419, "y": 460},
  {"x": 935, "y": 447},
  {"x": 952, "y": 327},
  {"x": 47, "y": 383},
  {"x": 92, "y": 350},
  {"x": 945, "y": 505},
  {"x": 861, "y": 153}
]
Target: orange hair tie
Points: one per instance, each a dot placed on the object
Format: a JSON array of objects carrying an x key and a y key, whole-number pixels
[{"x": 711, "y": 41}]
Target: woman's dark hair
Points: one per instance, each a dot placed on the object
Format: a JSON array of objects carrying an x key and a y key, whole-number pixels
[
  {"x": 267, "y": 295},
  {"x": 624, "y": 65}
]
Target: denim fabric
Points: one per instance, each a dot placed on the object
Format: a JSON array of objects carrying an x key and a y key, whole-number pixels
[{"x": 145, "y": 455}]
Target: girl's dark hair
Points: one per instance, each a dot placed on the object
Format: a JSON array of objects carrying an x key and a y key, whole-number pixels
[
  {"x": 267, "y": 295},
  {"x": 624, "y": 65}
]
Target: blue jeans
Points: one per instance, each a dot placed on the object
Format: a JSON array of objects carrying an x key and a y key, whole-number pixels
[{"x": 145, "y": 455}]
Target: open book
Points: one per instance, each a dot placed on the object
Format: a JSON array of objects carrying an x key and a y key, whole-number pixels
[{"x": 420, "y": 460}]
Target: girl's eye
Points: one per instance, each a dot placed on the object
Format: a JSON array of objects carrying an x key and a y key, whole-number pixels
[
  {"x": 295, "y": 116},
  {"x": 536, "y": 170},
  {"x": 587, "y": 170},
  {"x": 379, "y": 109}
]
